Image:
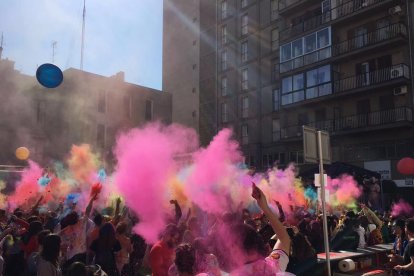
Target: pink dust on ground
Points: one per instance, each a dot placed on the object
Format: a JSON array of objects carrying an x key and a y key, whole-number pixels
[
  {"x": 27, "y": 190},
  {"x": 401, "y": 208},
  {"x": 145, "y": 164},
  {"x": 208, "y": 184}
]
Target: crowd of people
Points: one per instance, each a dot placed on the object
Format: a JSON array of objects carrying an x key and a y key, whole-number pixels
[{"x": 66, "y": 242}]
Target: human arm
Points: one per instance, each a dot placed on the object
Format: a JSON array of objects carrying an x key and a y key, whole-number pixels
[
  {"x": 282, "y": 216},
  {"x": 178, "y": 212},
  {"x": 407, "y": 267},
  {"x": 372, "y": 216},
  {"x": 283, "y": 241},
  {"x": 34, "y": 208},
  {"x": 117, "y": 216},
  {"x": 90, "y": 204}
]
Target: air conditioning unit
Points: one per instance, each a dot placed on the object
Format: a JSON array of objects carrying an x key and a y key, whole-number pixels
[
  {"x": 396, "y": 72},
  {"x": 400, "y": 90},
  {"x": 395, "y": 10}
]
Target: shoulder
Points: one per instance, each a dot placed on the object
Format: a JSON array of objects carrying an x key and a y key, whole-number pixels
[{"x": 278, "y": 259}]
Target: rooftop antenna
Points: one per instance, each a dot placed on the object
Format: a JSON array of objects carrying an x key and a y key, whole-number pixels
[
  {"x": 1, "y": 45},
  {"x": 83, "y": 34},
  {"x": 53, "y": 51}
]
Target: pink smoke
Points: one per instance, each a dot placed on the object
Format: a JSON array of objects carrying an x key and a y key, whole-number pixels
[
  {"x": 27, "y": 189},
  {"x": 401, "y": 208},
  {"x": 209, "y": 184},
  {"x": 343, "y": 190},
  {"x": 145, "y": 163}
]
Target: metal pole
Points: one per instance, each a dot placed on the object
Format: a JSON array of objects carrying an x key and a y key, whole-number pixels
[
  {"x": 323, "y": 199},
  {"x": 382, "y": 197},
  {"x": 83, "y": 33}
]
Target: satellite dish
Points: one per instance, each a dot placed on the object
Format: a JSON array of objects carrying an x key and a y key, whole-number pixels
[{"x": 49, "y": 75}]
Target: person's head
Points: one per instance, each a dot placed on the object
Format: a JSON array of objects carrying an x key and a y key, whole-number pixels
[
  {"x": 107, "y": 235},
  {"x": 409, "y": 227},
  {"x": 72, "y": 218},
  {"x": 185, "y": 258},
  {"x": 249, "y": 240},
  {"x": 171, "y": 235},
  {"x": 301, "y": 249},
  {"x": 34, "y": 228},
  {"x": 348, "y": 223},
  {"x": 33, "y": 218},
  {"x": 398, "y": 227},
  {"x": 121, "y": 228},
  {"x": 97, "y": 219},
  {"x": 42, "y": 235},
  {"x": 363, "y": 220},
  {"x": 77, "y": 269},
  {"x": 51, "y": 248}
]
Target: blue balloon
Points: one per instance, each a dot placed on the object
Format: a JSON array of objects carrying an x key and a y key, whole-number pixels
[{"x": 49, "y": 75}]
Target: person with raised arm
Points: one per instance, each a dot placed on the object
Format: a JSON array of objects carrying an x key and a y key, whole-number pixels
[{"x": 250, "y": 247}]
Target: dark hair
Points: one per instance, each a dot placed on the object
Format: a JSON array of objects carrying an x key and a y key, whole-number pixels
[
  {"x": 410, "y": 225},
  {"x": 106, "y": 238},
  {"x": 301, "y": 248},
  {"x": 33, "y": 218},
  {"x": 121, "y": 228},
  {"x": 34, "y": 228},
  {"x": 42, "y": 235},
  {"x": 51, "y": 249},
  {"x": 77, "y": 269},
  {"x": 250, "y": 239},
  {"x": 98, "y": 219},
  {"x": 72, "y": 218},
  {"x": 185, "y": 258}
]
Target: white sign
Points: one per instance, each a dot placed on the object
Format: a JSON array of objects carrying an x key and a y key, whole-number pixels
[
  {"x": 318, "y": 180},
  {"x": 320, "y": 195},
  {"x": 381, "y": 167}
]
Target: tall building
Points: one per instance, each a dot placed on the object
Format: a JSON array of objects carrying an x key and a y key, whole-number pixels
[
  {"x": 344, "y": 66},
  {"x": 85, "y": 108}
]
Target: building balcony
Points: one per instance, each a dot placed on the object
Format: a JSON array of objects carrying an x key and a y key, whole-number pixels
[
  {"x": 331, "y": 16},
  {"x": 390, "y": 76},
  {"x": 386, "y": 35},
  {"x": 287, "y": 6},
  {"x": 396, "y": 117}
]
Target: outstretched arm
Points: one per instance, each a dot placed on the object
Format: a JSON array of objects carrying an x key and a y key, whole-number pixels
[{"x": 283, "y": 241}]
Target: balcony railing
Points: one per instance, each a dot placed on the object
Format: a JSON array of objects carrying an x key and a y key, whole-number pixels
[
  {"x": 372, "y": 78},
  {"x": 334, "y": 13},
  {"x": 368, "y": 39},
  {"x": 370, "y": 119}
]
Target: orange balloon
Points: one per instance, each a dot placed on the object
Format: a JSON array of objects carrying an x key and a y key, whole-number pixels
[{"x": 22, "y": 153}]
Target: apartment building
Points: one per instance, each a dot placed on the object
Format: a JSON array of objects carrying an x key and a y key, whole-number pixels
[
  {"x": 343, "y": 66},
  {"x": 85, "y": 108}
]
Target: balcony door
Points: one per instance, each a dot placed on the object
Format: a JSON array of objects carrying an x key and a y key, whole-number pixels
[
  {"x": 363, "y": 72},
  {"x": 363, "y": 111},
  {"x": 387, "y": 109},
  {"x": 361, "y": 36}
]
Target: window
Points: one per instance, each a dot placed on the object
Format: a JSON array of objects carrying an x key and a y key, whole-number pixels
[
  {"x": 244, "y": 24},
  {"x": 100, "y": 136},
  {"x": 224, "y": 34},
  {"x": 245, "y": 107},
  {"x": 273, "y": 10},
  {"x": 243, "y": 3},
  {"x": 276, "y": 103},
  {"x": 292, "y": 89},
  {"x": 245, "y": 79},
  {"x": 244, "y": 51},
  {"x": 318, "y": 82},
  {"x": 306, "y": 50},
  {"x": 244, "y": 135},
  {"x": 102, "y": 102},
  {"x": 40, "y": 112},
  {"x": 274, "y": 43},
  {"x": 275, "y": 130},
  {"x": 223, "y": 9},
  {"x": 224, "y": 91},
  {"x": 149, "y": 110},
  {"x": 224, "y": 60},
  {"x": 224, "y": 113}
]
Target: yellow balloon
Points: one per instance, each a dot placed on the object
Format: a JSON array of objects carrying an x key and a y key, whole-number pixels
[{"x": 22, "y": 153}]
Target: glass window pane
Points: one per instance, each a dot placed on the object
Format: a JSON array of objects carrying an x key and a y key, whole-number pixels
[
  {"x": 323, "y": 38},
  {"x": 311, "y": 78},
  {"x": 286, "y": 52},
  {"x": 324, "y": 74},
  {"x": 297, "y": 48},
  {"x": 311, "y": 93},
  {"x": 286, "y": 99},
  {"x": 298, "y": 96},
  {"x": 325, "y": 89},
  {"x": 286, "y": 85},
  {"x": 310, "y": 43},
  {"x": 298, "y": 82}
]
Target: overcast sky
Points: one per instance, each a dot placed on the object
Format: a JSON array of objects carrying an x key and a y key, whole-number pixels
[{"x": 121, "y": 35}]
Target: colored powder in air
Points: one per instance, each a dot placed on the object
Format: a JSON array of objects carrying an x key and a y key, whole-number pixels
[
  {"x": 145, "y": 164},
  {"x": 43, "y": 181},
  {"x": 401, "y": 208},
  {"x": 3, "y": 197},
  {"x": 311, "y": 194},
  {"x": 344, "y": 191},
  {"x": 96, "y": 189},
  {"x": 83, "y": 164},
  {"x": 210, "y": 182},
  {"x": 27, "y": 189}
]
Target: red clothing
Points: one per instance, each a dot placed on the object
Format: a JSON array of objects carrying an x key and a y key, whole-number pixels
[
  {"x": 31, "y": 246},
  {"x": 161, "y": 258}
]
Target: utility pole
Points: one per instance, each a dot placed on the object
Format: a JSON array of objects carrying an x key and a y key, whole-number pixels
[
  {"x": 54, "y": 43},
  {"x": 83, "y": 33}
]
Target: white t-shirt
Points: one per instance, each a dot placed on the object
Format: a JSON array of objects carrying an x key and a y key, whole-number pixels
[
  {"x": 276, "y": 262},
  {"x": 74, "y": 238}
]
